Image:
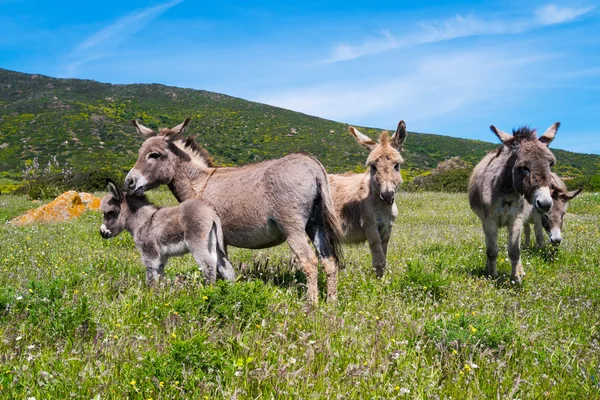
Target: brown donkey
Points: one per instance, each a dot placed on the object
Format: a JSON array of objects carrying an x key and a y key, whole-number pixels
[
  {"x": 160, "y": 233},
  {"x": 365, "y": 202},
  {"x": 552, "y": 221},
  {"x": 504, "y": 181},
  {"x": 261, "y": 205}
]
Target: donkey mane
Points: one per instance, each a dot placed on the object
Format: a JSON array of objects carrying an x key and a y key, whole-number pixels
[
  {"x": 524, "y": 132},
  {"x": 198, "y": 153},
  {"x": 138, "y": 201},
  {"x": 384, "y": 138}
]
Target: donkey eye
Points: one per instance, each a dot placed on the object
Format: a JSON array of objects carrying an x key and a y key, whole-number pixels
[
  {"x": 154, "y": 155},
  {"x": 373, "y": 168},
  {"x": 525, "y": 169},
  {"x": 397, "y": 167},
  {"x": 552, "y": 163},
  {"x": 111, "y": 214}
]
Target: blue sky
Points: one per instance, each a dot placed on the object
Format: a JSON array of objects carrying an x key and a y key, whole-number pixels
[{"x": 447, "y": 67}]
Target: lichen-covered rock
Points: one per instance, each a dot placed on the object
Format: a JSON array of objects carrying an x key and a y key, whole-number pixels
[
  {"x": 90, "y": 201},
  {"x": 67, "y": 206}
]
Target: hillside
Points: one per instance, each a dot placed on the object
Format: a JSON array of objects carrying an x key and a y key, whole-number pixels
[{"x": 86, "y": 125}]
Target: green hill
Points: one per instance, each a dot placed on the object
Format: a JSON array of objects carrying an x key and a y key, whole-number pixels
[{"x": 85, "y": 124}]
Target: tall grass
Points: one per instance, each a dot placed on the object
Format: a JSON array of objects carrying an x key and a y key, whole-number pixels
[{"x": 77, "y": 321}]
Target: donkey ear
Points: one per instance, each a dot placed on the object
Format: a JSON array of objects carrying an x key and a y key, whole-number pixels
[
  {"x": 113, "y": 189},
  {"x": 181, "y": 127},
  {"x": 176, "y": 132},
  {"x": 504, "y": 137},
  {"x": 362, "y": 138},
  {"x": 550, "y": 133},
  {"x": 142, "y": 130},
  {"x": 399, "y": 136},
  {"x": 571, "y": 195}
]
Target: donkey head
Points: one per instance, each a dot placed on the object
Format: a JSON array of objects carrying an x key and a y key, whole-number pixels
[
  {"x": 553, "y": 220},
  {"x": 113, "y": 222},
  {"x": 157, "y": 158},
  {"x": 384, "y": 161},
  {"x": 531, "y": 175}
]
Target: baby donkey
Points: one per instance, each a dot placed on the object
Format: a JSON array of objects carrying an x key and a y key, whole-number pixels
[{"x": 160, "y": 233}]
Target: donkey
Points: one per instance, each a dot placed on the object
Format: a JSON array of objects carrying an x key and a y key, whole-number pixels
[
  {"x": 504, "y": 181},
  {"x": 365, "y": 202},
  {"x": 551, "y": 222},
  {"x": 261, "y": 205},
  {"x": 160, "y": 233}
]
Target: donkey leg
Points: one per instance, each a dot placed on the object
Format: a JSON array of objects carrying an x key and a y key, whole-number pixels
[
  {"x": 527, "y": 232},
  {"x": 540, "y": 233},
  {"x": 155, "y": 267},
  {"x": 325, "y": 253},
  {"x": 385, "y": 239},
  {"x": 377, "y": 252},
  {"x": 301, "y": 249},
  {"x": 490, "y": 229},
  {"x": 514, "y": 250}
]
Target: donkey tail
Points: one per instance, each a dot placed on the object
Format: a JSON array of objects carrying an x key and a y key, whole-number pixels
[{"x": 331, "y": 222}]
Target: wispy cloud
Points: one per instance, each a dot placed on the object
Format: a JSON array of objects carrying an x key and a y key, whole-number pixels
[
  {"x": 550, "y": 14},
  {"x": 454, "y": 28},
  {"x": 97, "y": 45},
  {"x": 435, "y": 86}
]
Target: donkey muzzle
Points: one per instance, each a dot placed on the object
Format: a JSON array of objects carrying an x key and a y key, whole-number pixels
[
  {"x": 543, "y": 200},
  {"x": 134, "y": 183},
  {"x": 388, "y": 196},
  {"x": 105, "y": 232},
  {"x": 555, "y": 238}
]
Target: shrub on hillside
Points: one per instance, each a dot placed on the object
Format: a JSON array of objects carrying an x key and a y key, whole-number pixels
[
  {"x": 590, "y": 183},
  {"x": 451, "y": 176},
  {"x": 52, "y": 180}
]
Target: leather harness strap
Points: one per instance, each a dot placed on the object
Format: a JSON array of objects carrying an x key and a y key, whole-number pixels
[{"x": 206, "y": 182}]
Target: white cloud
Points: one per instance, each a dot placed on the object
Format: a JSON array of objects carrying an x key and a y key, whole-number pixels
[
  {"x": 550, "y": 14},
  {"x": 454, "y": 28},
  {"x": 437, "y": 85},
  {"x": 127, "y": 25},
  {"x": 97, "y": 46}
]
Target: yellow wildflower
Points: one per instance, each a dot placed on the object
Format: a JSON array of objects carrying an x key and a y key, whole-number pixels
[
  {"x": 472, "y": 328},
  {"x": 132, "y": 383},
  {"x": 204, "y": 298}
]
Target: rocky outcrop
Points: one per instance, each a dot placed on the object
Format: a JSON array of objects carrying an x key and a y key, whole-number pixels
[{"x": 67, "y": 206}]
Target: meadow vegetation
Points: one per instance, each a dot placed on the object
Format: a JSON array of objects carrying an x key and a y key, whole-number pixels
[{"x": 77, "y": 320}]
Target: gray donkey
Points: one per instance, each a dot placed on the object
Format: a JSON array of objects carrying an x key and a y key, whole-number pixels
[
  {"x": 504, "y": 181},
  {"x": 261, "y": 205},
  {"x": 552, "y": 221},
  {"x": 365, "y": 202},
  {"x": 160, "y": 233}
]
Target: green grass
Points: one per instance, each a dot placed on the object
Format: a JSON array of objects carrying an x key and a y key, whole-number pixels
[{"x": 77, "y": 321}]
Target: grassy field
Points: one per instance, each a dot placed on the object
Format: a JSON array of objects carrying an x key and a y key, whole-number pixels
[{"x": 77, "y": 321}]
